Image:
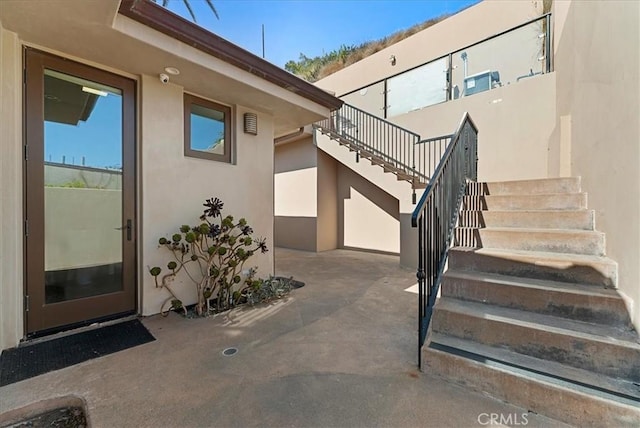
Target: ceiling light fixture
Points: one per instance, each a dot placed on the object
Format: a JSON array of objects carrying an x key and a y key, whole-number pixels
[
  {"x": 94, "y": 91},
  {"x": 172, "y": 70}
]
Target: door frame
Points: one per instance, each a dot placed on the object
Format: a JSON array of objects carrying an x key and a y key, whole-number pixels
[{"x": 72, "y": 313}]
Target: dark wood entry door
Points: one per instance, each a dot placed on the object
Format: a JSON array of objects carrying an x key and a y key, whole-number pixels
[{"x": 79, "y": 193}]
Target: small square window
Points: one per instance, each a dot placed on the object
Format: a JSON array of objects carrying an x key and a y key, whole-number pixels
[{"x": 207, "y": 129}]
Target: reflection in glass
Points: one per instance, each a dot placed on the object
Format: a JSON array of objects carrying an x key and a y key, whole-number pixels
[
  {"x": 83, "y": 188},
  {"x": 207, "y": 130},
  {"x": 421, "y": 87},
  {"x": 369, "y": 99},
  {"x": 497, "y": 62}
]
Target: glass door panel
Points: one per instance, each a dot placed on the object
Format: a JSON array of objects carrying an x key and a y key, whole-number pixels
[{"x": 83, "y": 187}]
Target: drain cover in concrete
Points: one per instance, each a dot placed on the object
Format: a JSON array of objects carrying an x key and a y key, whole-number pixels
[{"x": 229, "y": 352}]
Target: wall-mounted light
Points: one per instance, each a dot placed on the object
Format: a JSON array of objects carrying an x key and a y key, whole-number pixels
[
  {"x": 392, "y": 59},
  {"x": 251, "y": 123}
]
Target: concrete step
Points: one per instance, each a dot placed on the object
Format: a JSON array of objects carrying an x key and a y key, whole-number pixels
[
  {"x": 552, "y": 201},
  {"x": 417, "y": 184},
  {"x": 601, "y": 349},
  {"x": 549, "y": 219},
  {"x": 572, "y": 395},
  {"x": 527, "y": 187},
  {"x": 561, "y": 299},
  {"x": 576, "y": 268},
  {"x": 566, "y": 241}
]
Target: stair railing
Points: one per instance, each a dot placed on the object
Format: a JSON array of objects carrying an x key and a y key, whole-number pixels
[
  {"x": 427, "y": 154},
  {"x": 368, "y": 133},
  {"x": 436, "y": 214}
]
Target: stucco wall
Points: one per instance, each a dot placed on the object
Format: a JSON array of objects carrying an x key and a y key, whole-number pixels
[
  {"x": 174, "y": 186},
  {"x": 11, "y": 245},
  {"x": 368, "y": 217},
  {"x": 514, "y": 122},
  {"x": 327, "y": 234},
  {"x": 598, "y": 129},
  {"x": 296, "y": 195}
]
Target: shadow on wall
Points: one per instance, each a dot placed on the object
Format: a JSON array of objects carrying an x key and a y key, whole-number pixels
[{"x": 368, "y": 217}]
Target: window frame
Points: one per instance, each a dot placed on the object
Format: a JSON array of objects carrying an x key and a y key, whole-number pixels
[{"x": 229, "y": 143}]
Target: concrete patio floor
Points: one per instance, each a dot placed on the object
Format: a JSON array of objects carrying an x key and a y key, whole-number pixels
[{"x": 339, "y": 352}]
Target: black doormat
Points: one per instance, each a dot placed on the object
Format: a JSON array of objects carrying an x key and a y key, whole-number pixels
[{"x": 21, "y": 363}]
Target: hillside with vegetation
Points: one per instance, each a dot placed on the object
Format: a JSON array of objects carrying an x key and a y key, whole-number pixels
[
  {"x": 316, "y": 68},
  {"x": 319, "y": 67}
]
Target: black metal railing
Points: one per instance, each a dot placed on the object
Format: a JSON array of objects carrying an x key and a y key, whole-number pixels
[
  {"x": 435, "y": 217},
  {"x": 371, "y": 135},
  {"x": 427, "y": 155}
]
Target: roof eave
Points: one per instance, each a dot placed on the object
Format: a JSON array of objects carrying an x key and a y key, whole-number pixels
[{"x": 167, "y": 22}]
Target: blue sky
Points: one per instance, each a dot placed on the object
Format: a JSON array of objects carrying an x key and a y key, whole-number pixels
[{"x": 311, "y": 26}]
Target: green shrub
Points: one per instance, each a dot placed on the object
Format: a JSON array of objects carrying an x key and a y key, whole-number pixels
[{"x": 211, "y": 255}]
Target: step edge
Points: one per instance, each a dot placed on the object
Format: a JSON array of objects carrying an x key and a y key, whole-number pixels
[
  {"x": 516, "y": 281},
  {"x": 516, "y": 229},
  {"x": 535, "y": 180},
  {"x": 539, "y": 254},
  {"x": 473, "y": 311},
  {"x": 549, "y": 379},
  {"x": 524, "y": 195}
]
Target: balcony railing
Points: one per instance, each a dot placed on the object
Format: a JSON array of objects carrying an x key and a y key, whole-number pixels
[{"x": 519, "y": 53}]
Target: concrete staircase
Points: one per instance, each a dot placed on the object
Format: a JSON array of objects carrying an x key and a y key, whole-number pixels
[
  {"x": 528, "y": 311},
  {"x": 402, "y": 173}
]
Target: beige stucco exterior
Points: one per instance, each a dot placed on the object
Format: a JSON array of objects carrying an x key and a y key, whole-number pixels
[
  {"x": 170, "y": 187},
  {"x": 11, "y": 214},
  {"x": 321, "y": 194},
  {"x": 597, "y": 132},
  {"x": 368, "y": 217},
  {"x": 296, "y": 195},
  {"x": 517, "y": 149},
  {"x": 174, "y": 187}
]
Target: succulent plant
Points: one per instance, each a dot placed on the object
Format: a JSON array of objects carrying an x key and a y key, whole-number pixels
[{"x": 211, "y": 255}]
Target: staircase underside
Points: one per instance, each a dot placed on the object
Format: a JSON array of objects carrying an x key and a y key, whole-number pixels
[
  {"x": 528, "y": 310},
  {"x": 403, "y": 173}
]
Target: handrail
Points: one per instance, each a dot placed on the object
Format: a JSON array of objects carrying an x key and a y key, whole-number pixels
[
  {"x": 349, "y": 106},
  {"x": 435, "y": 216},
  {"x": 366, "y": 132},
  {"x": 432, "y": 139},
  {"x": 427, "y": 155}
]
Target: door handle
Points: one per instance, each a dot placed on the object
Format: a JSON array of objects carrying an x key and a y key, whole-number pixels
[{"x": 128, "y": 227}]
